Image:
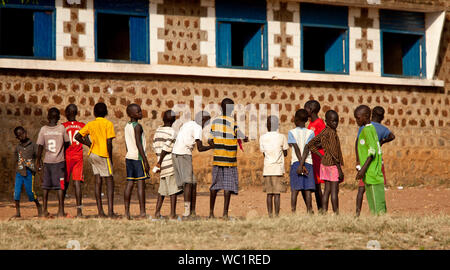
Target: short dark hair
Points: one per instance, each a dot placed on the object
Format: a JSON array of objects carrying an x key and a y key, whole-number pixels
[
  {"x": 131, "y": 106},
  {"x": 364, "y": 109},
  {"x": 100, "y": 110},
  {"x": 224, "y": 103},
  {"x": 329, "y": 113},
  {"x": 18, "y": 128},
  {"x": 274, "y": 122},
  {"x": 301, "y": 115},
  {"x": 314, "y": 105},
  {"x": 71, "y": 108},
  {"x": 378, "y": 111},
  {"x": 53, "y": 113},
  {"x": 169, "y": 116}
]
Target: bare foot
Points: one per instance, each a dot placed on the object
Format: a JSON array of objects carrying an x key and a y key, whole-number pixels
[
  {"x": 143, "y": 215},
  {"x": 16, "y": 216}
]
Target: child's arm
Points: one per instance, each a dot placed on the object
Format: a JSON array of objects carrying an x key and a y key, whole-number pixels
[
  {"x": 201, "y": 147},
  {"x": 299, "y": 156},
  {"x": 110, "y": 148},
  {"x": 83, "y": 140},
  {"x": 138, "y": 138},
  {"x": 302, "y": 162},
  {"x": 315, "y": 144},
  {"x": 38, "y": 157},
  {"x": 362, "y": 172},
  {"x": 356, "y": 152},
  {"x": 390, "y": 138}
]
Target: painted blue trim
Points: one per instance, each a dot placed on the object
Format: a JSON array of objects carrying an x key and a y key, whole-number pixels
[
  {"x": 320, "y": 14},
  {"x": 241, "y": 9},
  {"x": 402, "y": 32},
  {"x": 424, "y": 53},
  {"x": 241, "y": 20},
  {"x": 324, "y": 25},
  {"x": 121, "y": 12},
  {"x": 147, "y": 38},
  {"x": 28, "y": 7}
]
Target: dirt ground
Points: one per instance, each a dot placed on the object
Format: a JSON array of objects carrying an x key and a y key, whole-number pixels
[{"x": 251, "y": 202}]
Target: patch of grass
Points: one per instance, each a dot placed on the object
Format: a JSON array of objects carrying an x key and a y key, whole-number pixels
[{"x": 291, "y": 232}]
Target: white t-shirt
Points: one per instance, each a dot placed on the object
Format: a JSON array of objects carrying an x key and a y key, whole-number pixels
[
  {"x": 300, "y": 136},
  {"x": 130, "y": 142},
  {"x": 272, "y": 145},
  {"x": 188, "y": 134}
]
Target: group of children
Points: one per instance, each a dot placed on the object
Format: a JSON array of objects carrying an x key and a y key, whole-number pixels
[{"x": 316, "y": 159}]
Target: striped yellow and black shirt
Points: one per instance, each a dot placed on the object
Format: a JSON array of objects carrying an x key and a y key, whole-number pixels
[{"x": 224, "y": 132}]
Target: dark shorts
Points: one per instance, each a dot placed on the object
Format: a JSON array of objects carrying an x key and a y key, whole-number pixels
[
  {"x": 302, "y": 182},
  {"x": 53, "y": 177},
  {"x": 135, "y": 170},
  {"x": 225, "y": 178}
]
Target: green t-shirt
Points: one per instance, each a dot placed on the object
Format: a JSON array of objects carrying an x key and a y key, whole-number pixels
[{"x": 368, "y": 145}]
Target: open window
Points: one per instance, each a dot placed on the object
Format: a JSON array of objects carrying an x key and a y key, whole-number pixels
[
  {"x": 241, "y": 34},
  {"x": 27, "y": 30},
  {"x": 324, "y": 31},
  {"x": 403, "y": 43},
  {"x": 122, "y": 31}
]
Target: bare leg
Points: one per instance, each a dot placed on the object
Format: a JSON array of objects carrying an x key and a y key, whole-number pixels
[
  {"x": 46, "y": 214},
  {"x": 159, "y": 204},
  {"x": 269, "y": 204},
  {"x": 277, "y": 204},
  {"x": 335, "y": 197},
  {"x": 98, "y": 195},
  {"x": 127, "y": 198},
  {"x": 38, "y": 206},
  {"x": 359, "y": 200},
  {"x": 78, "y": 197},
  {"x": 326, "y": 196},
  {"x": 173, "y": 206},
  {"x": 212, "y": 202},
  {"x": 141, "y": 197},
  {"x": 318, "y": 194},
  {"x": 17, "y": 209},
  {"x": 187, "y": 199},
  {"x": 308, "y": 201},
  {"x": 303, "y": 196},
  {"x": 193, "y": 199},
  {"x": 226, "y": 202},
  {"x": 110, "y": 194},
  {"x": 60, "y": 203},
  {"x": 294, "y": 195}
]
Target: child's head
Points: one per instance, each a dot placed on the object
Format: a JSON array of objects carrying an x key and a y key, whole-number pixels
[
  {"x": 100, "y": 110},
  {"x": 312, "y": 106},
  {"x": 378, "y": 114},
  {"x": 20, "y": 133},
  {"x": 272, "y": 123},
  {"x": 169, "y": 117},
  {"x": 332, "y": 119},
  {"x": 362, "y": 115},
  {"x": 71, "y": 112},
  {"x": 53, "y": 115},
  {"x": 301, "y": 117},
  {"x": 134, "y": 111},
  {"x": 202, "y": 118},
  {"x": 227, "y": 106}
]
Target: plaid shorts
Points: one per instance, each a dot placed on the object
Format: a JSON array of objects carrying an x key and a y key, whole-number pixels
[{"x": 225, "y": 178}]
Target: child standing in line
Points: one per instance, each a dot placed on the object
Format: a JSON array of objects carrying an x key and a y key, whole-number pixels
[
  {"x": 384, "y": 136},
  {"x": 25, "y": 154},
  {"x": 274, "y": 147},
  {"x": 74, "y": 155},
  {"x": 332, "y": 161},
  {"x": 163, "y": 142},
  {"x": 302, "y": 171},
  {"x": 54, "y": 139},
  {"x": 136, "y": 160},
  {"x": 224, "y": 136},
  {"x": 369, "y": 153},
  {"x": 101, "y": 133},
  {"x": 316, "y": 124},
  {"x": 190, "y": 134}
]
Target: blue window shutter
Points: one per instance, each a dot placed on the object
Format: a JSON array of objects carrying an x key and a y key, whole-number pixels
[
  {"x": 411, "y": 57},
  {"x": 238, "y": 10},
  {"x": 323, "y": 15},
  {"x": 224, "y": 44},
  {"x": 43, "y": 34},
  {"x": 253, "y": 50},
  {"x": 334, "y": 55},
  {"x": 138, "y": 39}
]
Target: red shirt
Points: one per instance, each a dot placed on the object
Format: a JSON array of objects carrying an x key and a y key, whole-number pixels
[
  {"x": 317, "y": 126},
  {"x": 75, "y": 149}
]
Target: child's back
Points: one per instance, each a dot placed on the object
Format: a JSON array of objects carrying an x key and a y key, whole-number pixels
[
  {"x": 164, "y": 139},
  {"x": 53, "y": 139},
  {"x": 99, "y": 131},
  {"x": 272, "y": 144},
  {"x": 301, "y": 137},
  {"x": 130, "y": 142}
]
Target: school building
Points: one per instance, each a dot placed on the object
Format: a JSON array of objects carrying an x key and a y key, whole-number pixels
[{"x": 160, "y": 53}]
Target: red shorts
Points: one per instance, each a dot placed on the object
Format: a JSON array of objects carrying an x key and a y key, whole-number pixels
[
  {"x": 74, "y": 167},
  {"x": 361, "y": 183}
]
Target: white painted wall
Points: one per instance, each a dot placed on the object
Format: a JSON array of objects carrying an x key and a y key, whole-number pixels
[{"x": 434, "y": 24}]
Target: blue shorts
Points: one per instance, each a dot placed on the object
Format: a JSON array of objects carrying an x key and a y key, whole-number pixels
[
  {"x": 28, "y": 181},
  {"x": 135, "y": 170},
  {"x": 302, "y": 182}
]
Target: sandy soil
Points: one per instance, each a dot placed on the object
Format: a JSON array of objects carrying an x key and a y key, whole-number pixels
[{"x": 251, "y": 201}]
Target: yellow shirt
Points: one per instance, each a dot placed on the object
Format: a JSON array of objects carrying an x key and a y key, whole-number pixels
[{"x": 99, "y": 131}]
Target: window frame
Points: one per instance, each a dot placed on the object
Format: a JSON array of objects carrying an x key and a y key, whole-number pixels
[
  {"x": 53, "y": 31},
  {"x": 129, "y": 14}
]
